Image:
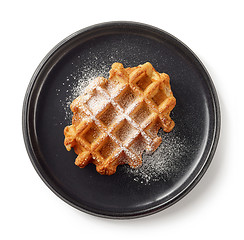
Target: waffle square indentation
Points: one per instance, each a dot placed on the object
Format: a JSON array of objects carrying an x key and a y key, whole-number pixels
[
  {"x": 91, "y": 134},
  {"x": 125, "y": 131},
  {"x": 126, "y": 98},
  {"x": 142, "y": 113},
  {"x": 108, "y": 116},
  {"x": 144, "y": 82},
  {"x": 108, "y": 147}
]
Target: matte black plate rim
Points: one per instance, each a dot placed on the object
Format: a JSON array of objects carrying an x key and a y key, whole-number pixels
[{"x": 42, "y": 174}]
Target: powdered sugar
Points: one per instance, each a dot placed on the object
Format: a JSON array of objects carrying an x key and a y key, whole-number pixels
[
  {"x": 76, "y": 83},
  {"x": 160, "y": 165},
  {"x": 164, "y": 163},
  {"x": 96, "y": 102}
]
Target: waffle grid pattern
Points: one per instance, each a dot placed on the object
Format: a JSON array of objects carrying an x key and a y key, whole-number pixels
[{"x": 119, "y": 118}]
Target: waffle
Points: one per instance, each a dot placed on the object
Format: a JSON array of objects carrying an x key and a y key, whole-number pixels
[{"x": 116, "y": 119}]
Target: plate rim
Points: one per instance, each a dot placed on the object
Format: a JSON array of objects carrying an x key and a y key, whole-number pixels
[{"x": 144, "y": 212}]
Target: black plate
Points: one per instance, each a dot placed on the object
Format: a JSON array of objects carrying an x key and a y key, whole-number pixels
[{"x": 190, "y": 146}]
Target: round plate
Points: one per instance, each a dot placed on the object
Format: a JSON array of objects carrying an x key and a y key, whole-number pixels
[{"x": 181, "y": 159}]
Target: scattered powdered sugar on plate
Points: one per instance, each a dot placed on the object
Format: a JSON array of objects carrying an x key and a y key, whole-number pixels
[
  {"x": 164, "y": 163},
  {"x": 77, "y": 81}
]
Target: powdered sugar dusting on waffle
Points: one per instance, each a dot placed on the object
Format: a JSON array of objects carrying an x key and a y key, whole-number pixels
[
  {"x": 154, "y": 166},
  {"x": 97, "y": 102}
]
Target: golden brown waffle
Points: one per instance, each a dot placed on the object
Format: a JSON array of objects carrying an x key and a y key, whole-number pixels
[{"x": 116, "y": 119}]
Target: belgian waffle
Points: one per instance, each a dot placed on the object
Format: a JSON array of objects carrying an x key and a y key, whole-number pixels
[{"x": 116, "y": 119}]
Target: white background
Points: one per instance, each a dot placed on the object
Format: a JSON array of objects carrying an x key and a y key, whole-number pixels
[{"x": 212, "y": 29}]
